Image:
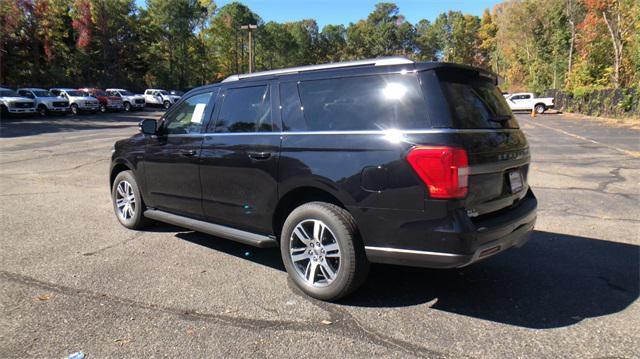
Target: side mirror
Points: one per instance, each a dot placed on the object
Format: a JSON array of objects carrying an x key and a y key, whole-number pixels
[{"x": 149, "y": 126}]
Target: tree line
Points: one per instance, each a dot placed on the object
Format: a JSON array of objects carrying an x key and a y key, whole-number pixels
[{"x": 575, "y": 45}]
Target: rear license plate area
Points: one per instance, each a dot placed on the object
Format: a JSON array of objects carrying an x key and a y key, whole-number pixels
[{"x": 515, "y": 181}]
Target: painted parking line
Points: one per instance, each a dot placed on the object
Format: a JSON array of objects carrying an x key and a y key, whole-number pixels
[{"x": 634, "y": 154}]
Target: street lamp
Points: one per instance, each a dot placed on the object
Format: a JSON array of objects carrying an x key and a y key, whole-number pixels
[{"x": 250, "y": 28}]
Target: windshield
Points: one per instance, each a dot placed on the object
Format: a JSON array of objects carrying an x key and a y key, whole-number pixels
[
  {"x": 163, "y": 92},
  {"x": 126, "y": 93},
  {"x": 8, "y": 93},
  {"x": 42, "y": 93},
  {"x": 76, "y": 93}
]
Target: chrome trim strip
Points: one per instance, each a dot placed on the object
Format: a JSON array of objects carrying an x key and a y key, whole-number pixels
[
  {"x": 409, "y": 251},
  {"x": 362, "y": 132}
]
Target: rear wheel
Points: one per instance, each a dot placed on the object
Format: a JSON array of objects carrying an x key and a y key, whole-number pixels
[
  {"x": 322, "y": 251},
  {"x": 127, "y": 201},
  {"x": 540, "y": 108}
]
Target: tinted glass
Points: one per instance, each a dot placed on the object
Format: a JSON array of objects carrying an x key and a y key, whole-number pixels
[
  {"x": 75, "y": 93},
  {"x": 292, "y": 114},
  {"x": 246, "y": 109},
  {"x": 188, "y": 116},
  {"x": 126, "y": 93},
  {"x": 362, "y": 103},
  {"x": 42, "y": 93},
  {"x": 26, "y": 94},
  {"x": 474, "y": 102},
  {"x": 8, "y": 93}
]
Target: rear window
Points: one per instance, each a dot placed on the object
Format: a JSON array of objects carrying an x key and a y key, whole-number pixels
[
  {"x": 474, "y": 102},
  {"x": 355, "y": 103}
]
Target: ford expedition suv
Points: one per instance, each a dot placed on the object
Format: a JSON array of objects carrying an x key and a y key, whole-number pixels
[{"x": 340, "y": 165}]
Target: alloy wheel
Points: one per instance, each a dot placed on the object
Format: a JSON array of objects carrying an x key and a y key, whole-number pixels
[
  {"x": 315, "y": 253},
  {"x": 125, "y": 200}
]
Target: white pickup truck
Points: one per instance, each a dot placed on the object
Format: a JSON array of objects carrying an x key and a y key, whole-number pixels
[
  {"x": 131, "y": 101},
  {"x": 527, "y": 101},
  {"x": 159, "y": 97}
]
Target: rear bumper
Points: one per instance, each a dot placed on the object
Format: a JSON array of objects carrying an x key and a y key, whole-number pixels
[{"x": 474, "y": 240}]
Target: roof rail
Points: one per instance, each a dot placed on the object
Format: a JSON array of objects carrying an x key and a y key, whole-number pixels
[{"x": 382, "y": 61}]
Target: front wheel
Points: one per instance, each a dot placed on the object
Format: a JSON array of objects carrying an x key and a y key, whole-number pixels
[
  {"x": 127, "y": 106},
  {"x": 540, "y": 108},
  {"x": 74, "y": 109},
  {"x": 127, "y": 201},
  {"x": 322, "y": 251},
  {"x": 166, "y": 105},
  {"x": 103, "y": 108},
  {"x": 42, "y": 110}
]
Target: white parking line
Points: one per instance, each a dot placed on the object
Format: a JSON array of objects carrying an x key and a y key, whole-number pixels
[{"x": 621, "y": 150}]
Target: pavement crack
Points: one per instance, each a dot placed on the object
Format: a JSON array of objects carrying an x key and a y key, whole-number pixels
[{"x": 343, "y": 323}]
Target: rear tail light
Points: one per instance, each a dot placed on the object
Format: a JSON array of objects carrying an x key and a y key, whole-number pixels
[{"x": 445, "y": 170}]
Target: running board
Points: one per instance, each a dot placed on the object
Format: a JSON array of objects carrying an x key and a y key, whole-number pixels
[{"x": 233, "y": 234}]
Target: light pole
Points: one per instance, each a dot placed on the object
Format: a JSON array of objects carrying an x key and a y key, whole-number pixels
[{"x": 250, "y": 28}]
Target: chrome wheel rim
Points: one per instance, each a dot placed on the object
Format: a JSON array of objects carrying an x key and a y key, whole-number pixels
[
  {"x": 125, "y": 200},
  {"x": 315, "y": 253}
]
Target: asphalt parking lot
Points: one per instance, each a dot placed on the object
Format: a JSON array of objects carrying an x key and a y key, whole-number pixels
[{"x": 72, "y": 278}]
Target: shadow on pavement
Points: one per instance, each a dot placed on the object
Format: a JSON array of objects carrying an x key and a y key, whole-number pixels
[{"x": 555, "y": 280}]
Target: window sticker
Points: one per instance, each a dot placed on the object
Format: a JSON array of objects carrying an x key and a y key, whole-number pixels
[{"x": 198, "y": 113}]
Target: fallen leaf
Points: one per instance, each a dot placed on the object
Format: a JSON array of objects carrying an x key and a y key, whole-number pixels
[
  {"x": 43, "y": 297},
  {"x": 122, "y": 341},
  {"x": 326, "y": 322}
]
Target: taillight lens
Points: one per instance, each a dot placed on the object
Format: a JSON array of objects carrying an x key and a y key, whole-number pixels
[{"x": 445, "y": 170}]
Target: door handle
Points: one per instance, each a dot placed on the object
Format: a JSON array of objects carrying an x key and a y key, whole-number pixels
[
  {"x": 259, "y": 155},
  {"x": 188, "y": 153}
]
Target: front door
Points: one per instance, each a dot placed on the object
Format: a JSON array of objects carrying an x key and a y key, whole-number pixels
[
  {"x": 171, "y": 165},
  {"x": 239, "y": 160}
]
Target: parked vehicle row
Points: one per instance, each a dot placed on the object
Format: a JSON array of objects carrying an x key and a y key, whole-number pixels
[{"x": 61, "y": 100}]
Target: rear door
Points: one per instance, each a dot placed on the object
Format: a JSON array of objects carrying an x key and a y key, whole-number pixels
[
  {"x": 240, "y": 156},
  {"x": 172, "y": 158}
]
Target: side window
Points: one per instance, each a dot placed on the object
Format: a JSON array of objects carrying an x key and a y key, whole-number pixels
[
  {"x": 26, "y": 94},
  {"x": 526, "y": 97},
  {"x": 188, "y": 116},
  {"x": 292, "y": 110},
  {"x": 246, "y": 109},
  {"x": 377, "y": 102}
]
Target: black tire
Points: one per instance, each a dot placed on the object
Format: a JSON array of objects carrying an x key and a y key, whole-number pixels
[
  {"x": 166, "y": 105},
  {"x": 137, "y": 220},
  {"x": 103, "y": 108},
  {"x": 4, "y": 111},
  {"x": 353, "y": 265},
  {"x": 42, "y": 110},
  {"x": 127, "y": 107},
  {"x": 540, "y": 108},
  {"x": 74, "y": 109}
]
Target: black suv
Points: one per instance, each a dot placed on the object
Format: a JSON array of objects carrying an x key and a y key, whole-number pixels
[{"x": 340, "y": 165}]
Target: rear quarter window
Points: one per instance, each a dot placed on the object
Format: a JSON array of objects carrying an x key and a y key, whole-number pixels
[
  {"x": 373, "y": 102},
  {"x": 474, "y": 101}
]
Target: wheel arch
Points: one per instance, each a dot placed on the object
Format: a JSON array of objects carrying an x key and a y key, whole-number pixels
[
  {"x": 116, "y": 168},
  {"x": 296, "y": 197}
]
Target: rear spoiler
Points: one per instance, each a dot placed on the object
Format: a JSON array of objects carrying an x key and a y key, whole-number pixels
[{"x": 492, "y": 76}]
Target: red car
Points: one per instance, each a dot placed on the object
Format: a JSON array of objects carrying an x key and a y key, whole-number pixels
[{"x": 107, "y": 103}]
